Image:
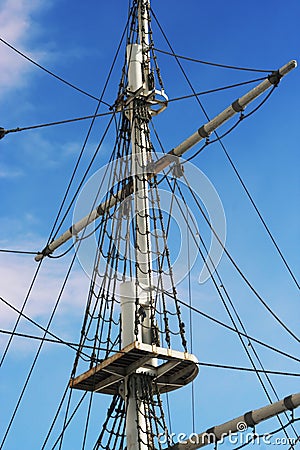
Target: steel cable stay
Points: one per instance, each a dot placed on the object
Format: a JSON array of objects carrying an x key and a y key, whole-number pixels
[
  {"x": 55, "y": 417},
  {"x": 20, "y": 313},
  {"x": 52, "y": 73},
  {"x": 67, "y": 422},
  {"x": 265, "y": 225},
  {"x": 87, "y": 420},
  {"x": 4, "y": 132},
  {"x": 20, "y": 252},
  {"x": 64, "y": 427},
  {"x": 223, "y": 66}
]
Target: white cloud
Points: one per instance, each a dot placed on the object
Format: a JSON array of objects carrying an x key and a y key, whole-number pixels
[
  {"x": 8, "y": 173},
  {"x": 17, "y": 272},
  {"x": 16, "y": 25}
]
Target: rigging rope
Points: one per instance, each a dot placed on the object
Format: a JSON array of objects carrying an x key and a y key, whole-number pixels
[
  {"x": 223, "y": 66},
  {"x": 50, "y": 72},
  {"x": 74, "y": 347},
  {"x": 20, "y": 252},
  {"x": 257, "y": 295}
]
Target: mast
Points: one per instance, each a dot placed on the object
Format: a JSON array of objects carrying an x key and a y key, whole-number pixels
[{"x": 137, "y": 294}]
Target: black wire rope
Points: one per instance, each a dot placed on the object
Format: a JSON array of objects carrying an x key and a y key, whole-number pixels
[
  {"x": 211, "y": 91},
  {"x": 73, "y": 346},
  {"x": 92, "y": 116},
  {"x": 62, "y": 435},
  {"x": 224, "y": 66},
  {"x": 59, "y": 122},
  {"x": 56, "y": 339},
  {"x": 51, "y": 73},
  {"x": 87, "y": 420},
  {"x": 19, "y": 252},
  {"x": 228, "y": 327},
  {"x": 260, "y": 215},
  {"x": 257, "y": 295},
  {"x": 201, "y": 209}
]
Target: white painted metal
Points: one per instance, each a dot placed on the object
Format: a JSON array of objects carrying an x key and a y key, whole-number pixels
[
  {"x": 136, "y": 432},
  {"x": 134, "y": 61},
  {"x": 236, "y": 425},
  {"x": 128, "y": 307},
  {"x": 163, "y": 162}
]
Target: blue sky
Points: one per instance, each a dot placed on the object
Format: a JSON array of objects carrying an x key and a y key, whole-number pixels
[{"x": 78, "y": 43}]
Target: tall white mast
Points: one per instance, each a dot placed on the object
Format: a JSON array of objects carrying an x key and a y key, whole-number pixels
[{"x": 138, "y": 292}]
